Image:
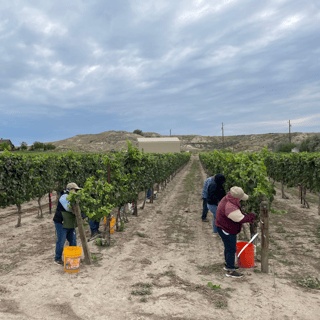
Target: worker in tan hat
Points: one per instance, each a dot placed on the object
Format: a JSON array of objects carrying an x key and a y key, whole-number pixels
[
  {"x": 229, "y": 220},
  {"x": 65, "y": 223}
]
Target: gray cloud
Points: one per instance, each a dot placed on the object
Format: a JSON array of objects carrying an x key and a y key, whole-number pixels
[{"x": 151, "y": 64}]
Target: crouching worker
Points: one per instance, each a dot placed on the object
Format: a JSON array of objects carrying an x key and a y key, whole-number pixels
[
  {"x": 229, "y": 220},
  {"x": 65, "y": 223}
]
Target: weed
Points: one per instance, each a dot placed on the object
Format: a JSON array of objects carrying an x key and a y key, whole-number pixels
[
  {"x": 220, "y": 304},
  {"x": 159, "y": 212},
  {"x": 22, "y": 245},
  {"x": 309, "y": 250},
  {"x": 286, "y": 262},
  {"x": 99, "y": 242},
  {"x": 94, "y": 257},
  {"x": 143, "y": 299},
  {"x": 121, "y": 228},
  {"x": 272, "y": 240},
  {"x": 145, "y": 289},
  {"x": 280, "y": 229},
  {"x": 213, "y": 286},
  {"x": 141, "y": 234},
  {"x": 279, "y": 247},
  {"x": 309, "y": 282},
  {"x": 256, "y": 271},
  {"x": 13, "y": 251},
  {"x": 277, "y": 212},
  {"x": 168, "y": 273}
]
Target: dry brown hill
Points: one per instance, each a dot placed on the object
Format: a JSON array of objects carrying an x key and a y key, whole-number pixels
[{"x": 117, "y": 140}]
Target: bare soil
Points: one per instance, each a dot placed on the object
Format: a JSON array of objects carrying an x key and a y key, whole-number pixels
[{"x": 159, "y": 266}]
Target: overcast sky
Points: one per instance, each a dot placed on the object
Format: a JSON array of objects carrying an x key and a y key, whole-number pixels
[{"x": 79, "y": 67}]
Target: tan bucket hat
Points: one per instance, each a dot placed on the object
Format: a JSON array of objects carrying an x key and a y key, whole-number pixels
[
  {"x": 72, "y": 185},
  {"x": 238, "y": 193}
]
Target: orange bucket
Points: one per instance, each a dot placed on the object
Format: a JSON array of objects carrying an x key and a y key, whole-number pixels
[
  {"x": 72, "y": 256},
  {"x": 246, "y": 259},
  {"x": 112, "y": 223}
]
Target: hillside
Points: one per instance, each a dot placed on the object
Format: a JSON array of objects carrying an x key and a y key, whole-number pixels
[{"x": 117, "y": 140}]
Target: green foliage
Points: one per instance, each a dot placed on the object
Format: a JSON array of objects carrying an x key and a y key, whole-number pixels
[
  {"x": 5, "y": 146},
  {"x": 285, "y": 147},
  {"x": 247, "y": 171},
  {"x": 294, "y": 168},
  {"x": 27, "y": 176},
  {"x": 137, "y": 131},
  {"x": 49, "y": 146}
]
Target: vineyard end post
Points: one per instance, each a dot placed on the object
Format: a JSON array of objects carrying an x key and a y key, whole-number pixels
[
  {"x": 87, "y": 255},
  {"x": 264, "y": 220},
  {"x": 151, "y": 195}
]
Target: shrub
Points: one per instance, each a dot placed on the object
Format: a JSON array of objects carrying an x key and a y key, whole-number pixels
[
  {"x": 311, "y": 144},
  {"x": 5, "y": 146},
  {"x": 49, "y": 146},
  {"x": 137, "y": 131},
  {"x": 23, "y": 146},
  {"x": 37, "y": 145},
  {"x": 285, "y": 147}
]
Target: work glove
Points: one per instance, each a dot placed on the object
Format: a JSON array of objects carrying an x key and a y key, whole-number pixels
[{"x": 248, "y": 218}]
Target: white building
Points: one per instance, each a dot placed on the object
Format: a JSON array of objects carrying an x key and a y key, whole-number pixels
[{"x": 159, "y": 145}]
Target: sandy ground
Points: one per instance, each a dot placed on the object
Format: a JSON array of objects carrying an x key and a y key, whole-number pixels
[{"x": 173, "y": 260}]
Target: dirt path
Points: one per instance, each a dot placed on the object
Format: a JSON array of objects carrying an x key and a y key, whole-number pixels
[{"x": 157, "y": 268}]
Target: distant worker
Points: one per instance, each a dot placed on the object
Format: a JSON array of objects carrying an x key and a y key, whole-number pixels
[
  {"x": 215, "y": 193},
  {"x": 229, "y": 220},
  {"x": 204, "y": 198}
]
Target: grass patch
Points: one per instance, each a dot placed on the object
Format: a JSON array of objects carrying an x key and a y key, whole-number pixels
[
  {"x": 309, "y": 282},
  {"x": 189, "y": 181},
  {"x": 209, "y": 269},
  {"x": 220, "y": 304},
  {"x": 280, "y": 229},
  {"x": 142, "y": 235},
  {"x": 168, "y": 273},
  {"x": 22, "y": 245},
  {"x": 143, "y": 289},
  {"x": 286, "y": 262}
]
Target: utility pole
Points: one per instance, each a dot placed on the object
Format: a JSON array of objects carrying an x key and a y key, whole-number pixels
[
  {"x": 289, "y": 132},
  {"x": 170, "y": 132},
  {"x": 222, "y": 137}
]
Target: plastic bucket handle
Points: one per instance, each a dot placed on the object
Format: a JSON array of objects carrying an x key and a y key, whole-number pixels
[{"x": 248, "y": 244}]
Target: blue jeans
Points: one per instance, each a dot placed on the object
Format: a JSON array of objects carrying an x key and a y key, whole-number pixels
[
  {"x": 230, "y": 248},
  {"x": 63, "y": 235},
  {"x": 213, "y": 209},
  {"x": 94, "y": 225},
  {"x": 204, "y": 209}
]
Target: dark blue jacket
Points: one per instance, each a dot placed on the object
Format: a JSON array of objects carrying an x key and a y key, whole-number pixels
[{"x": 215, "y": 190}]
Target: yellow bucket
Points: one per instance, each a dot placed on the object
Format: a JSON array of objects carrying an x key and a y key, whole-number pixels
[
  {"x": 72, "y": 256},
  {"x": 112, "y": 223}
]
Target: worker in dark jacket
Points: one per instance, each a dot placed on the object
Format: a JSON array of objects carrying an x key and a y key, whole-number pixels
[{"x": 215, "y": 193}]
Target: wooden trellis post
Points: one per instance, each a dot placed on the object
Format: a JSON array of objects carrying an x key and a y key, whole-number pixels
[
  {"x": 87, "y": 255},
  {"x": 264, "y": 220}
]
